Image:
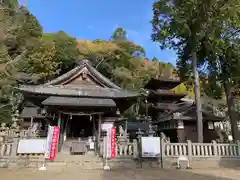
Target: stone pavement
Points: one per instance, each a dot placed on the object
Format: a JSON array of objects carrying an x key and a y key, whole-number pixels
[{"x": 73, "y": 173}]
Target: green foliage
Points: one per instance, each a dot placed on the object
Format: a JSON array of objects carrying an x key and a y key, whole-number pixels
[
  {"x": 19, "y": 30},
  {"x": 40, "y": 60},
  {"x": 66, "y": 50}
]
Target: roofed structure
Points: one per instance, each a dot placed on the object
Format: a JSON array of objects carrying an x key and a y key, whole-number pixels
[
  {"x": 84, "y": 81},
  {"x": 160, "y": 90},
  {"x": 161, "y": 83},
  {"x": 175, "y": 116}
]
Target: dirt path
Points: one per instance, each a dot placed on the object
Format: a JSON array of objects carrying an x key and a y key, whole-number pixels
[
  {"x": 219, "y": 172},
  {"x": 68, "y": 173}
]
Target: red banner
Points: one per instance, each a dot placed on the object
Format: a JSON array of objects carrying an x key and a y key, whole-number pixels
[
  {"x": 54, "y": 143},
  {"x": 113, "y": 142}
]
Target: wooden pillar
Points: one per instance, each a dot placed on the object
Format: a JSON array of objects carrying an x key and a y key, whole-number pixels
[
  {"x": 94, "y": 126},
  {"x": 59, "y": 123},
  {"x": 31, "y": 122},
  {"x": 99, "y": 130}
]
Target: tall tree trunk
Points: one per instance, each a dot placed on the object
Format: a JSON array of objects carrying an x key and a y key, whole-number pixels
[
  {"x": 197, "y": 99},
  {"x": 231, "y": 113}
]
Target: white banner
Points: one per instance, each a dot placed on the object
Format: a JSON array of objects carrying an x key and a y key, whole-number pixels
[
  {"x": 48, "y": 142},
  {"x": 108, "y": 145}
]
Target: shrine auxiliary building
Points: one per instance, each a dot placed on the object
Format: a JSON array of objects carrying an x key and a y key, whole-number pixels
[
  {"x": 81, "y": 100},
  {"x": 175, "y": 116}
]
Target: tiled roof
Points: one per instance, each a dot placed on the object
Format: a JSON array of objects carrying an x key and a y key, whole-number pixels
[
  {"x": 52, "y": 88},
  {"x": 77, "y": 91},
  {"x": 86, "y": 102}
]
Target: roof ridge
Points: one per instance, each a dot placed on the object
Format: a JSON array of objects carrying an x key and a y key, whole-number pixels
[{"x": 81, "y": 64}]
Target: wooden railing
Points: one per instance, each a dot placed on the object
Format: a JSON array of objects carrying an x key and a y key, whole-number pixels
[
  {"x": 201, "y": 149},
  {"x": 128, "y": 150},
  {"x": 189, "y": 149}
]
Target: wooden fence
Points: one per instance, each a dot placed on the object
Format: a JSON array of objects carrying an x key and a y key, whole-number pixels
[{"x": 201, "y": 149}]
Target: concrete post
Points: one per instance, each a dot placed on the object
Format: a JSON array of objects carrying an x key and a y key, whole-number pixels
[
  {"x": 238, "y": 145},
  {"x": 189, "y": 147},
  {"x": 214, "y": 143},
  {"x": 14, "y": 147},
  {"x": 162, "y": 147}
]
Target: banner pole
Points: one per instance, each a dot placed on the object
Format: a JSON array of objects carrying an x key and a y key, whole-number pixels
[{"x": 43, "y": 168}]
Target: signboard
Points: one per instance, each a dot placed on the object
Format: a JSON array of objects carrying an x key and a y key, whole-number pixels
[
  {"x": 111, "y": 143},
  {"x": 150, "y": 146},
  {"x": 52, "y": 141},
  {"x": 106, "y": 126},
  {"x": 31, "y": 146}
]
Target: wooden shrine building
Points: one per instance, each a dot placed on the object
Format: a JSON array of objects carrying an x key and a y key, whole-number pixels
[
  {"x": 176, "y": 117},
  {"x": 81, "y": 101}
]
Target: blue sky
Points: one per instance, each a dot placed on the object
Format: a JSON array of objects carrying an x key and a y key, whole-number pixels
[{"x": 94, "y": 19}]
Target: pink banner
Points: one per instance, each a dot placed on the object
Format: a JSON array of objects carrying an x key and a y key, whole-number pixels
[
  {"x": 54, "y": 143},
  {"x": 113, "y": 142}
]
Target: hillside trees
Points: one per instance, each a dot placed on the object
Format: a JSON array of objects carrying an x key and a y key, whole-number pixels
[{"x": 19, "y": 30}]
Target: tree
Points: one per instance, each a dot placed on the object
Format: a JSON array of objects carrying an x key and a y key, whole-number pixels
[
  {"x": 182, "y": 25},
  {"x": 119, "y": 34},
  {"x": 223, "y": 72},
  {"x": 41, "y": 60},
  {"x": 67, "y": 54},
  {"x": 19, "y": 30}
]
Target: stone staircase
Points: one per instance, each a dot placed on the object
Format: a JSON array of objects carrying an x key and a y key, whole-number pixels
[{"x": 87, "y": 161}]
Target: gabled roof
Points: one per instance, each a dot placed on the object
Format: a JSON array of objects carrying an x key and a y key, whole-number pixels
[
  {"x": 83, "y": 64},
  {"x": 75, "y": 84},
  {"x": 77, "y": 91}
]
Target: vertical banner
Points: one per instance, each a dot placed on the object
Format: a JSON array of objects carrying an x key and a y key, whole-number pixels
[
  {"x": 113, "y": 142},
  {"x": 49, "y": 142},
  {"x": 52, "y": 141},
  {"x": 108, "y": 143}
]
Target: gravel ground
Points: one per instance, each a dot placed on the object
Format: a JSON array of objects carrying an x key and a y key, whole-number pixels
[{"x": 72, "y": 173}]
